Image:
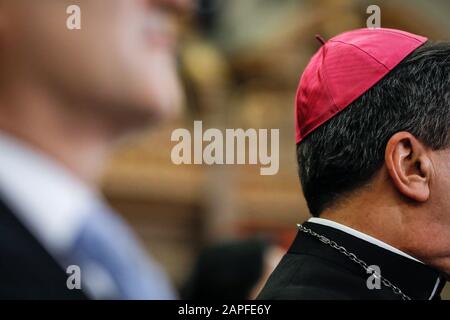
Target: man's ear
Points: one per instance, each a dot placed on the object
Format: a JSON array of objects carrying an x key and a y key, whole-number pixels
[{"x": 409, "y": 166}]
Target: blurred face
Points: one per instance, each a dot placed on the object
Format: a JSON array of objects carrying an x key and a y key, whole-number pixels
[{"x": 120, "y": 63}]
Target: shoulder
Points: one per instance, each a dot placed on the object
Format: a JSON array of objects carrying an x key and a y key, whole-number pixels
[
  {"x": 307, "y": 277},
  {"x": 27, "y": 270}
]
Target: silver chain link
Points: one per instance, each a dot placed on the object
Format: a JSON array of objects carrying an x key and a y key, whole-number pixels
[{"x": 355, "y": 259}]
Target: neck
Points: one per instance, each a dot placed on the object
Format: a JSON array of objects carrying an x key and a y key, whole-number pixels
[
  {"x": 378, "y": 210},
  {"x": 76, "y": 139},
  {"x": 374, "y": 216}
]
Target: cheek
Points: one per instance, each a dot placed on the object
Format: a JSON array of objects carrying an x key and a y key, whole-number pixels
[
  {"x": 148, "y": 71},
  {"x": 440, "y": 183}
]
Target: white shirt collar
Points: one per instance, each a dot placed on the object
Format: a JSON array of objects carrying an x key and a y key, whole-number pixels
[
  {"x": 360, "y": 235},
  {"x": 46, "y": 198}
]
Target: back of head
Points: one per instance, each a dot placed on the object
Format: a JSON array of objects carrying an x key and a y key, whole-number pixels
[{"x": 342, "y": 155}]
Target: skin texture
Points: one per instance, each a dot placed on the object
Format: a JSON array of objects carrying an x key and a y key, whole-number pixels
[
  {"x": 72, "y": 93},
  {"x": 406, "y": 204}
]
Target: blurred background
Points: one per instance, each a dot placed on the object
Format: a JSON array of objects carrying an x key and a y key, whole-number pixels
[{"x": 240, "y": 62}]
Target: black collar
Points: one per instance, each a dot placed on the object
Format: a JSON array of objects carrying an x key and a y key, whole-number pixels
[{"x": 415, "y": 279}]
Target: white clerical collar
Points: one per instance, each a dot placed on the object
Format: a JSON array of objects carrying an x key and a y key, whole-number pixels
[
  {"x": 360, "y": 235},
  {"x": 44, "y": 196}
]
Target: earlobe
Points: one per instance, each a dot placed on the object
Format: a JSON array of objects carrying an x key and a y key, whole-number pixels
[{"x": 409, "y": 166}]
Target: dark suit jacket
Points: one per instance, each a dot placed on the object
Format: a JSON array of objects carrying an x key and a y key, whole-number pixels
[
  {"x": 314, "y": 270},
  {"x": 27, "y": 270}
]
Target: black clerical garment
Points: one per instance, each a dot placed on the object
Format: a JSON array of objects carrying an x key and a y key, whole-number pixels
[
  {"x": 27, "y": 270},
  {"x": 312, "y": 270}
]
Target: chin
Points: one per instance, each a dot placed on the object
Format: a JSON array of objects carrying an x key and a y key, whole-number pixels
[
  {"x": 446, "y": 270},
  {"x": 441, "y": 264},
  {"x": 152, "y": 90},
  {"x": 152, "y": 107},
  {"x": 164, "y": 96},
  {"x": 167, "y": 105}
]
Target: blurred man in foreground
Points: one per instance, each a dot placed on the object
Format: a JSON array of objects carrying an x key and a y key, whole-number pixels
[
  {"x": 373, "y": 123},
  {"x": 65, "y": 97}
]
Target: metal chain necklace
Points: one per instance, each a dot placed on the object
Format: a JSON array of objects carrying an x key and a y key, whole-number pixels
[{"x": 355, "y": 259}]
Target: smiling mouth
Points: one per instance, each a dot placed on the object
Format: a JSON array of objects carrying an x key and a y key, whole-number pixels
[
  {"x": 157, "y": 33},
  {"x": 156, "y": 40}
]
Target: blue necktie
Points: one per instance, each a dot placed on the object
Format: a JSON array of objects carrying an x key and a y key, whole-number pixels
[{"x": 112, "y": 263}]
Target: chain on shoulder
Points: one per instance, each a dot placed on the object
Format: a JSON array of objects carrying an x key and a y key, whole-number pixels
[{"x": 355, "y": 259}]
